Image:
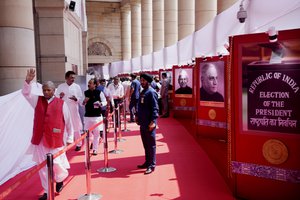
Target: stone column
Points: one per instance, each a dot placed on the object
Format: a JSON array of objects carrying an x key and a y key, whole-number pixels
[
  {"x": 84, "y": 52},
  {"x": 125, "y": 32},
  {"x": 17, "y": 45},
  {"x": 147, "y": 45},
  {"x": 158, "y": 25},
  {"x": 186, "y": 18},
  {"x": 171, "y": 22},
  {"x": 205, "y": 11},
  {"x": 224, "y": 4},
  {"x": 136, "y": 36}
]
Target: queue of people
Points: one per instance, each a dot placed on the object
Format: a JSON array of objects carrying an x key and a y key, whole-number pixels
[{"x": 57, "y": 121}]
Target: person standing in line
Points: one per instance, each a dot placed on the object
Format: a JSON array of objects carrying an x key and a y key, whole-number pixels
[
  {"x": 164, "y": 95},
  {"x": 147, "y": 119},
  {"x": 209, "y": 84},
  {"x": 101, "y": 86},
  {"x": 157, "y": 89},
  {"x": 94, "y": 100},
  {"x": 51, "y": 119},
  {"x": 71, "y": 93},
  {"x": 116, "y": 90},
  {"x": 134, "y": 96},
  {"x": 126, "y": 84}
]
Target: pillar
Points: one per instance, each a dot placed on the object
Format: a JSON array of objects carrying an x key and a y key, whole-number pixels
[
  {"x": 17, "y": 45},
  {"x": 205, "y": 11},
  {"x": 158, "y": 25},
  {"x": 224, "y": 4},
  {"x": 125, "y": 32},
  {"x": 186, "y": 18},
  {"x": 136, "y": 36},
  {"x": 147, "y": 45},
  {"x": 171, "y": 22}
]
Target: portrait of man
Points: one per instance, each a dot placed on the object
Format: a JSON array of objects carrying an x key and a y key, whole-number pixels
[
  {"x": 211, "y": 88},
  {"x": 184, "y": 80}
]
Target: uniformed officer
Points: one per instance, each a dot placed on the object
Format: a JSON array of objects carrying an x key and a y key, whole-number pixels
[{"x": 146, "y": 117}]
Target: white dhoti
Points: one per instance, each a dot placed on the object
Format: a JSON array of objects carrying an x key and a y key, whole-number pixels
[
  {"x": 88, "y": 123},
  {"x": 60, "y": 164}
]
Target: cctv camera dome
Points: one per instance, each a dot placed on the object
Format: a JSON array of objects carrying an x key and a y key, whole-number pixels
[
  {"x": 242, "y": 15},
  {"x": 242, "y": 20}
]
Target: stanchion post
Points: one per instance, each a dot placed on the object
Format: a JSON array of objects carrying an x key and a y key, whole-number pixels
[
  {"x": 125, "y": 120},
  {"x": 116, "y": 150},
  {"x": 50, "y": 176},
  {"x": 88, "y": 195},
  {"x": 105, "y": 146},
  {"x": 120, "y": 139}
]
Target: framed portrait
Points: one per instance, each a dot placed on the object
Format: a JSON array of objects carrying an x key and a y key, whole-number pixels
[
  {"x": 212, "y": 83},
  {"x": 183, "y": 82},
  {"x": 169, "y": 76}
]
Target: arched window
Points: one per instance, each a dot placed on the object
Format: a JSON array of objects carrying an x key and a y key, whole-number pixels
[{"x": 99, "y": 49}]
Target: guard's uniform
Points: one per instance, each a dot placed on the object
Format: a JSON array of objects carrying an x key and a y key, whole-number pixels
[{"x": 147, "y": 113}]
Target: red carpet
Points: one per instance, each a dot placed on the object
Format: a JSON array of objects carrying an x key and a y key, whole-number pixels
[{"x": 183, "y": 171}]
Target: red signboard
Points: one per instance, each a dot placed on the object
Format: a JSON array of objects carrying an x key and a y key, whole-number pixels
[
  {"x": 210, "y": 96},
  {"x": 263, "y": 115}
]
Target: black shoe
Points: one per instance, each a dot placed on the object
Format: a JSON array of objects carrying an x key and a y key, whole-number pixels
[
  {"x": 94, "y": 153},
  {"x": 143, "y": 166},
  {"x": 149, "y": 170},
  {"x": 91, "y": 146},
  {"x": 43, "y": 197},
  {"x": 59, "y": 186},
  {"x": 77, "y": 148}
]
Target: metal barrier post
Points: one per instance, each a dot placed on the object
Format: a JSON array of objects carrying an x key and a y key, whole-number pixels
[
  {"x": 116, "y": 150},
  {"x": 125, "y": 119},
  {"x": 50, "y": 176},
  {"x": 88, "y": 195},
  {"x": 105, "y": 145},
  {"x": 120, "y": 139}
]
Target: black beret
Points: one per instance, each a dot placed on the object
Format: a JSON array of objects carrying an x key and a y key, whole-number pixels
[{"x": 147, "y": 77}]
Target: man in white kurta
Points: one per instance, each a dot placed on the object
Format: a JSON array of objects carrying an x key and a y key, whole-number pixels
[
  {"x": 71, "y": 93},
  {"x": 116, "y": 90},
  {"x": 40, "y": 150}
]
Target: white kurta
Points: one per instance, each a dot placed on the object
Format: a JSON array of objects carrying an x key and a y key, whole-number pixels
[
  {"x": 72, "y": 90},
  {"x": 61, "y": 163}
]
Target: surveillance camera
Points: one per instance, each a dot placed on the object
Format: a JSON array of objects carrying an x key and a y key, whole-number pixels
[{"x": 242, "y": 14}]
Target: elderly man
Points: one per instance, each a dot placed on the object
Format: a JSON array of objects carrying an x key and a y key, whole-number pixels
[
  {"x": 51, "y": 119},
  {"x": 209, "y": 84},
  {"x": 183, "y": 80}
]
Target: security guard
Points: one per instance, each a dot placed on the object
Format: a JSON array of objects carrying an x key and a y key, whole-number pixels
[{"x": 146, "y": 118}]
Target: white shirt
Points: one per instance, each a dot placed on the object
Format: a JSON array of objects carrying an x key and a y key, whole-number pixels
[{"x": 116, "y": 91}]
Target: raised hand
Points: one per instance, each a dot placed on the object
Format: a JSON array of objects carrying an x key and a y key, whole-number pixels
[{"x": 30, "y": 75}]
